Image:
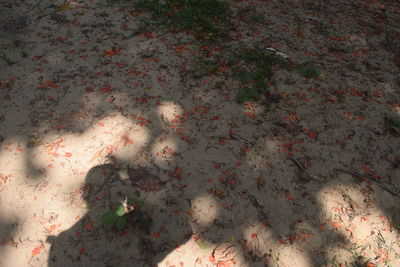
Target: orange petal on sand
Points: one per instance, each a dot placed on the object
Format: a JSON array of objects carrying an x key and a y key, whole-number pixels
[
  {"x": 312, "y": 134},
  {"x": 223, "y": 69},
  {"x": 156, "y": 234},
  {"x": 211, "y": 258},
  {"x": 51, "y": 84},
  {"x": 289, "y": 196},
  {"x": 89, "y": 226},
  {"x": 36, "y": 251},
  {"x": 95, "y": 156}
]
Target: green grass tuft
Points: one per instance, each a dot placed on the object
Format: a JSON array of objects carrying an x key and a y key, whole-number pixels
[
  {"x": 257, "y": 74},
  {"x": 206, "y": 18},
  {"x": 258, "y": 18},
  {"x": 248, "y": 94},
  {"x": 309, "y": 71}
]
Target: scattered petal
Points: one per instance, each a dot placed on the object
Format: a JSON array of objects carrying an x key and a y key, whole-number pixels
[{"x": 37, "y": 250}]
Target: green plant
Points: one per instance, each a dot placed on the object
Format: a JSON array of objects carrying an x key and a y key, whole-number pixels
[
  {"x": 309, "y": 71},
  {"x": 202, "y": 244},
  {"x": 385, "y": 246},
  {"x": 257, "y": 57},
  {"x": 131, "y": 208},
  {"x": 277, "y": 258},
  {"x": 257, "y": 74},
  {"x": 258, "y": 18},
  {"x": 153, "y": 6},
  {"x": 392, "y": 121},
  {"x": 359, "y": 260},
  {"x": 208, "y": 19},
  {"x": 332, "y": 262},
  {"x": 354, "y": 250},
  {"x": 248, "y": 94},
  {"x": 145, "y": 25},
  {"x": 115, "y": 217},
  {"x": 252, "y": 67}
]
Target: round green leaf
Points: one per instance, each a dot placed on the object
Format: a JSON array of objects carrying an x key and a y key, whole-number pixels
[
  {"x": 109, "y": 217},
  {"x": 121, "y": 221},
  {"x": 120, "y": 211}
]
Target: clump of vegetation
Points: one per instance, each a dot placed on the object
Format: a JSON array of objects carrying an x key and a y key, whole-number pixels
[
  {"x": 254, "y": 85},
  {"x": 248, "y": 94},
  {"x": 254, "y": 72},
  {"x": 129, "y": 211},
  {"x": 392, "y": 121},
  {"x": 252, "y": 67},
  {"x": 258, "y": 18},
  {"x": 207, "y": 19},
  {"x": 309, "y": 71}
]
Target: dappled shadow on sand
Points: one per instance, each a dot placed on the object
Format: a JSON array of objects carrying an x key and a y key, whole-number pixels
[{"x": 238, "y": 189}]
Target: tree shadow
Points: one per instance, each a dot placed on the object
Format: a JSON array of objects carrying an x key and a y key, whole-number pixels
[
  {"x": 7, "y": 242},
  {"x": 257, "y": 209},
  {"x": 88, "y": 242}
]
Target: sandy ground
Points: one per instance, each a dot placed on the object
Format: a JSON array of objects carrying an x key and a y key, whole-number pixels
[{"x": 245, "y": 184}]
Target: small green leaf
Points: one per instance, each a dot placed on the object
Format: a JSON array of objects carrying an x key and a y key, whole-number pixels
[
  {"x": 137, "y": 193},
  {"x": 120, "y": 211},
  {"x": 202, "y": 244},
  {"x": 109, "y": 217},
  {"x": 120, "y": 223}
]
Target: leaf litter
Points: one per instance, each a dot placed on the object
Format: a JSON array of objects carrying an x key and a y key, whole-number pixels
[{"x": 331, "y": 108}]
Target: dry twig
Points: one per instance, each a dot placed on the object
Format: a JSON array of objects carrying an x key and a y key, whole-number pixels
[{"x": 385, "y": 186}]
